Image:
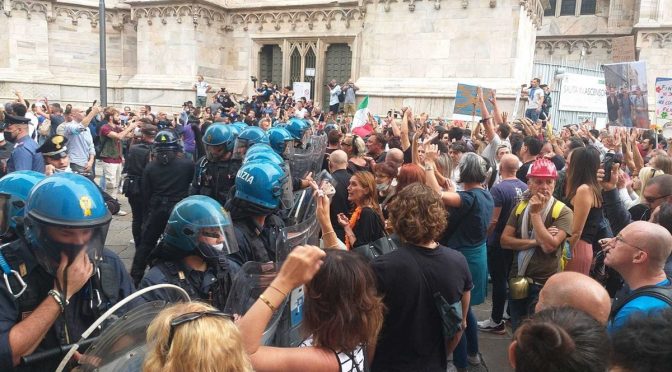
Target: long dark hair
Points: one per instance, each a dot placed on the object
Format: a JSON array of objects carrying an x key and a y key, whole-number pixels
[{"x": 583, "y": 171}]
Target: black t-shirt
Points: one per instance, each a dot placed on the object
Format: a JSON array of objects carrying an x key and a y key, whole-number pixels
[
  {"x": 369, "y": 227},
  {"x": 521, "y": 174},
  {"x": 411, "y": 338}
]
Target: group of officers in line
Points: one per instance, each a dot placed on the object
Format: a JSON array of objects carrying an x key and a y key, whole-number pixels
[{"x": 194, "y": 224}]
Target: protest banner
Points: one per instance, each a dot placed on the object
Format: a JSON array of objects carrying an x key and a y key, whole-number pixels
[
  {"x": 466, "y": 101},
  {"x": 623, "y": 49},
  {"x": 301, "y": 90},
  {"x": 664, "y": 98},
  {"x": 627, "y": 89},
  {"x": 583, "y": 93}
]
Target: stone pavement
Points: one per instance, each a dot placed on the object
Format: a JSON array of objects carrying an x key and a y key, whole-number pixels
[{"x": 492, "y": 346}]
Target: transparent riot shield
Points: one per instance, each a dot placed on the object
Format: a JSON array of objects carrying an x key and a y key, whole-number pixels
[
  {"x": 122, "y": 347},
  {"x": 122, "y": 344},
  {"x": 251, "y": 281},
  {"x": 309, "y": 158}
]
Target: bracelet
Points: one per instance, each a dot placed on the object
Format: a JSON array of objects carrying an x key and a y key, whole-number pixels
[
  {"x": 58, "y": 297},
  {"x": 277, "y": 290},
  {"x": 267, "y": 302}
]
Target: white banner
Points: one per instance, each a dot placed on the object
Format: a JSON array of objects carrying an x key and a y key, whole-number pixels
[
  {"x": 301, "y": 90},
  {"x": 583, "y": 93}
]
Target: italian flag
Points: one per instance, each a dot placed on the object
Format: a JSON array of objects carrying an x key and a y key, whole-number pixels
[{"x": 360, "y": 122}]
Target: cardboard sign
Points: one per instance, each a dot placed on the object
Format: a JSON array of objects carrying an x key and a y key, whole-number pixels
[
  {"x": 664, "y": 98},
  {"x": 466, "y": 101},
  {"x": 623, "y": 49}
]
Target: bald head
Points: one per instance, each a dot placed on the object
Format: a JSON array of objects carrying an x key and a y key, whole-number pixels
[
  {"x": 653, "y": 238},
  {"x": 395, "y": 157},
  {"x": 577, "y": 291},
  {"x": 509, "y": 164},
  {"x": 338, "y": 160}
]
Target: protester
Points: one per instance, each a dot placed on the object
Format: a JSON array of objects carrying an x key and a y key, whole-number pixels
[
  {"x": 643, "y": 343},
  {"x": 412, "y": 337},
  {"x": 194, "y": 336},
  {"x": 561, "y": 290},
  {"x": 365, "y": 225}
]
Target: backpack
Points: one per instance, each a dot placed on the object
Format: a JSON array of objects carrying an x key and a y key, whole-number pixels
[
  {"x": 663, "y": 293},
  {"x": 555, "y": 213},
  {"x": 341, "y": 96}
]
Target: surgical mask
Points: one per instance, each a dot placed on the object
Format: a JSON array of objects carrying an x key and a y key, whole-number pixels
[
  {"x": 382, "y": 186},
  {"x": 218, "y": 247}
]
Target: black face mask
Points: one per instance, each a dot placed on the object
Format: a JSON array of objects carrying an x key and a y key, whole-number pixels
[{"x": 9, "y": 136}]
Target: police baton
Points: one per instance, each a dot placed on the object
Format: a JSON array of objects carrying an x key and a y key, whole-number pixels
[{"x": 56, "y": 352}]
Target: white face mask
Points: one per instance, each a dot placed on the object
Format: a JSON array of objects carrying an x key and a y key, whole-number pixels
[{"x": 218, "y": 247}]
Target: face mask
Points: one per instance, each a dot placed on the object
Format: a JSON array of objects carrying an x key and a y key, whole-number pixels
[
  {"x": 210, "y": 251},
  {"x": 218, "y": 247},
  {"x": 382, "y": 186},
  {"x": 9, "y": 136}
]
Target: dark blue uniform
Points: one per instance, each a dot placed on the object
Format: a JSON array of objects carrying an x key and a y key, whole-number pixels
[
  {"x": 113, "y": 285},
  {"x": 214, "y": 179},
  {"x": 25, "y": 156}
]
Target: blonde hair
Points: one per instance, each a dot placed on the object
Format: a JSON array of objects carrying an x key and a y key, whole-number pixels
[
  {"x": 645, "y": 174},
  {"x": 206, "y": 344}
]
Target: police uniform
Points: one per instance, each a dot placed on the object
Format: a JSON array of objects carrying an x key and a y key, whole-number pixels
[
  {"x": 55, "y": 147},
  {"x": 136, "y": 161},
  {"x": 113, "y": 284},
  {"x": 24, "y": 156},
  {"x": 215, "y": 179},
  {"x": 164, "y": 183}
]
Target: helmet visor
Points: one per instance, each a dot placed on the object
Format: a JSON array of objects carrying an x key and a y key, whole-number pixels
[
  {"x": 221, "y": 239},
  {"x": 51, "y": 243},
  {"x": 288, "y": 152},
  {"x": 240, "y": 148},
  {"x": 4, "y": 213}
]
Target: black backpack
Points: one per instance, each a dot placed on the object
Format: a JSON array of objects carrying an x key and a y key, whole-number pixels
[
  {"x": 663, "y": 293},
  {"x": 341, "y": 96}
]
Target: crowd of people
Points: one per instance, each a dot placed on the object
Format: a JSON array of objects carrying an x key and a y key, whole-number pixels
[{"x": 572, "y": 228}]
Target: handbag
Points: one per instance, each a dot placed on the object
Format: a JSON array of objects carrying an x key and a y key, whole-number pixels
[
  {"x": 451, "y": 318},
  {"x": 377, "y": 247}
]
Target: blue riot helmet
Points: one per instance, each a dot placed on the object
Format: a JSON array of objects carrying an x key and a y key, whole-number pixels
[
  {"x": 247, "y": 138},
  {"x": 260, "y": 184},
  {"x": 200, "y": 224},
  {"x": 240, "y": 126},
  {"x": 14, "y": 189},
  {"x": 297, "y": 128},
  {"x": 166, "y": 140},
  {"x": 278, "y": 139},
  {"x": 264, "y": 155},
  {"x": 329, "y": 127},
  {"x": 65, "y": 214},
  {"x": 219, "y": 140}
]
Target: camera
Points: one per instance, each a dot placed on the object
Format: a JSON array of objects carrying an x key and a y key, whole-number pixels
[
  {"x": 254, "y": 79},
  {"x": 609, "y": 160}
]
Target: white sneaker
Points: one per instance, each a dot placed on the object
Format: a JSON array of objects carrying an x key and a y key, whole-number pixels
[
  {"x": 451, "y": 367},
  {"x": 132, "y": 241},
  {"x": 474, "y": 360},
  {"x": 121, "y": 213},
  {"x": 489, "y": 325}
]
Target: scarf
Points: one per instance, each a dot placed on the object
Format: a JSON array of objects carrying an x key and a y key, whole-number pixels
[
  {"x": 525, "y": 256},
  {"x": 353, "y": 221}
]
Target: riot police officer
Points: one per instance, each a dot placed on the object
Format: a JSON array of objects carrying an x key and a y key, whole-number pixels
[
  {"x": 136, "y": 161},
  {"x": 248, "y": 138},
  {"x": 70, "y": 279},
  {"x": 298, "y": 129},
  {"x": 14, "y": 189},
  {"x": 259, "y": 187},
  {"x": 192, "y": 253},
  {"x": 165, "y": 181},
  {"x": 215, "y": 173}
]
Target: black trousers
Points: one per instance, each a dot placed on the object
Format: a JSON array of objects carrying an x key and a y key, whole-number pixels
[
  {"x": 159, "y": 211},
  {"x": 499, "y": 265}
]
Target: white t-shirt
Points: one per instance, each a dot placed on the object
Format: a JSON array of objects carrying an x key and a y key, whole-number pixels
[
  {"x": 333, "y": 95},
  {"x": 300, "y": 114},
  {"x": 201, "y": 88},
  {"x": 535, "y": 95}
]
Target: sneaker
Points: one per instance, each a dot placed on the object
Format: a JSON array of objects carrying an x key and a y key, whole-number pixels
[
  {"x": 121, "y": 213},
  {"x": 132, "y": 241},
  {"x": 492, "y": 327},
  {"x": 474, "y": 360},
  {"x": 451, "y": 367}
]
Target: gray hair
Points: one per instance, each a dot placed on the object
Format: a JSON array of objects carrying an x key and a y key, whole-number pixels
[{"x": 473, "y": 168}]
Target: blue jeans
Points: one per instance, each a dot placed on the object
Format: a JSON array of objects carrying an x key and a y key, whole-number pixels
[
  {"x": 532, "y": 114},
  {"x": 523, "y": 309},
  {"x": 468, "y": 344}
]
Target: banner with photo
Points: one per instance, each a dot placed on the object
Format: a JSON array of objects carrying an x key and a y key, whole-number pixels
[
  {"x": 582, "y": 93},
  {"x": 664, "y": 98},
  {"x": 627, "y": 89}
]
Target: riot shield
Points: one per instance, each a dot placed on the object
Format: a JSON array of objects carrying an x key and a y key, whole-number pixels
[
  {"x": 309, "y": 158},
  {"x": 251, "y": 281},
  {"x": 122, "y": 345}
]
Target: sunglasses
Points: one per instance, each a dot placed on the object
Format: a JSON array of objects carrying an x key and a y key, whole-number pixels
[
  {"x": 345, "y": 144},
  {"x": 651, "y": 199},
  {"x": 188, "y": 317}
]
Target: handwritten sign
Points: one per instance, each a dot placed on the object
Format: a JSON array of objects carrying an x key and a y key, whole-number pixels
[
  {"x": 466, "y": 100},
  {"x": 623, "y": 49},
  {"x": 664, "y": 98}
]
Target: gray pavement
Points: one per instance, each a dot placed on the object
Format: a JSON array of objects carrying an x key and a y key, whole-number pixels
[{"x": 492, "y": 346}]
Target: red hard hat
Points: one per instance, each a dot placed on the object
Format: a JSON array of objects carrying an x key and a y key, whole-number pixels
[{"x": 542, "y": 168}]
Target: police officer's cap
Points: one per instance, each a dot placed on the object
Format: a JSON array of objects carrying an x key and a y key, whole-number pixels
[
  {"x": 14, "y": 119},
  {"x": 54, "y": 147}
]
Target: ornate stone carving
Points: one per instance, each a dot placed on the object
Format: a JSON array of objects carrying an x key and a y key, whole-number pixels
[
  {"x": 535, "y": 11},
  {"x": 74, "y": 12},
  {"x": 294, "y": 17},
  {"x": 571, "y": 45},
  {"x": 192, "y": 11},
  {"x": 662, "y": 38}
]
